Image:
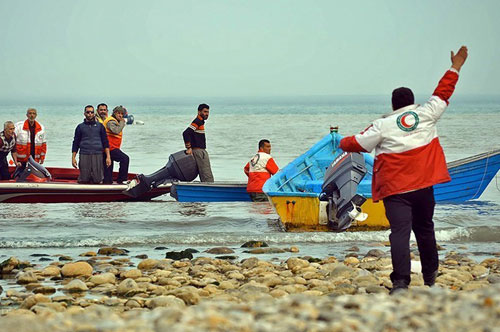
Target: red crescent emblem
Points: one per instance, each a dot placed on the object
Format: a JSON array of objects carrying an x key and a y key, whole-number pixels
[{"x": 404, "y": 123}]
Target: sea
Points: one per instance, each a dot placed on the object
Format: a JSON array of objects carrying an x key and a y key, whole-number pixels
[{"x": 469, "y": 126}]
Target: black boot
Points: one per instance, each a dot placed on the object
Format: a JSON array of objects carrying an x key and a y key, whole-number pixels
[
  {"x": 430, "y": 279},
  {"x": 398, "y": 286}
]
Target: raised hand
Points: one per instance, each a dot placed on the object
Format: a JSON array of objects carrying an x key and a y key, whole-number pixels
[{"x": 457, "y": 60}]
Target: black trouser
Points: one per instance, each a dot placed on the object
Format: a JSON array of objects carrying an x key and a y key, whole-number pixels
[
  {"x": 4, "y": 167},
  {"x": 123, "y": 159},
  {"x": 406, "y": 212}
]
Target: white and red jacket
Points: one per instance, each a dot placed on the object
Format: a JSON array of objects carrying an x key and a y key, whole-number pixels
[
  {"x": 23, "y": 141},
  {"x": 408, "y": 155},
  {"x": 259, "y": 169}
]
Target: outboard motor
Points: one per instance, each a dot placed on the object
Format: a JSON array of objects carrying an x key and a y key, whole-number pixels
[
  {"x": 33, "y": 172},
  {"x": 339, "y": 189},
  {"x": 180, "y": 167}
]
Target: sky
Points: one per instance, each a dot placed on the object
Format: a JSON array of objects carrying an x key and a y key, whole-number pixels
[{"x": 168, "y": 49}]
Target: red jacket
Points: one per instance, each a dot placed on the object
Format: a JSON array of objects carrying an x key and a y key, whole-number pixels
[
  {"x": 259, "y": 169},
  {"x": 408, "y": 155}
]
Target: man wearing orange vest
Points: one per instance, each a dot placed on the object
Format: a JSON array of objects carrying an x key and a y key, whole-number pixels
[
  {"x": 114, "y": 129},
  {"x": 259, "y": 169},
  {"x": 31, "y": 139}
]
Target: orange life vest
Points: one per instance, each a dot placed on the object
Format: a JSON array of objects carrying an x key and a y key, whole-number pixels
[{"x": 115, "y": 140}]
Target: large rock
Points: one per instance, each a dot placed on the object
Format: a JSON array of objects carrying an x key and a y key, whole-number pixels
[
  {"x": 132, "y": 274},
  {"x": 76, "y": 269},
  {"x": 295, "y": 264},
  {"x": 32, "y": 300},
  {"x": 103, "y": 278},
  {"x": 166, "y": 301},
  {"x": 75, "y": 285},
  {"x": 220, "y": 250},
  {"x": 112, "y": 251},
  {"x": 178, "y": 255},
  {"x": 254, "y": 244},
  {"x": 127, "y": 286},
  {"x": 51, "y": 271},
  {"x": 148, "y": 264},
  {"x": 8, "y": 265},
  {"x": 26, "y": 278}
]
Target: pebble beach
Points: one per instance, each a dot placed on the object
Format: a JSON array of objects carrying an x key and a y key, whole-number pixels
[{"x": 108, "y": 290}]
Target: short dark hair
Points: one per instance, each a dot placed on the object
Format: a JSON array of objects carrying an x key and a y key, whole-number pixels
[
  {"x": 402, "y": 97},
  {"x": 88, "y": 106},
  {"x": 262, "y": 142},
  {"x": 102, "y": 104},
  {"x": 202, "y": 106}
]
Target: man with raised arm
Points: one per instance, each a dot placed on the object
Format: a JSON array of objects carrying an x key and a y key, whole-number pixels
[{"x": 409, "y": 160}]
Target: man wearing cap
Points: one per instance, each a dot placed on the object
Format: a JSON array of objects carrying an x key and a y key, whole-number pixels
[
  {"x": 114, "y": 129},
  {"x": 91, "y": 140},
  {"x": 195, "y": 142},
  {"x": 409, "y": 160},
  {"x": 31, "y": 139},
  {"x": 7, "y": 145}
]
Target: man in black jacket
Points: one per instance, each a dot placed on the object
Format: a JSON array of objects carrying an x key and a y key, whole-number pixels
[{"x": 91, "y": 139}]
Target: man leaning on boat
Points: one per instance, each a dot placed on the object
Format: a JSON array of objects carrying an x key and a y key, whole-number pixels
[
  {"x": 91, "y": 140},
  {"x": 409, "y": 160},
  {"x": 259, "y": 169},
  {"x": 7, "y": 145}
]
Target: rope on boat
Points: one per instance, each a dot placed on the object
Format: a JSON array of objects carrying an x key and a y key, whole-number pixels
[{"x": 484, "y": 175}]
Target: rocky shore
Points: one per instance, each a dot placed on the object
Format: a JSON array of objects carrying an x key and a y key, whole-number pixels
[{"x": 214, "y": 291}]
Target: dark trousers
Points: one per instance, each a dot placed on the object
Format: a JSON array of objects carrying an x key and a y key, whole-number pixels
[
  {"x": 4, "y": 168},
  {"x": 407, "y": 212},
  {"x": 118, "y": 156}
]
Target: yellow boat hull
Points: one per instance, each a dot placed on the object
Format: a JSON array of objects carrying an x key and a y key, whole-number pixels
[{"x": 301, "y": 214}]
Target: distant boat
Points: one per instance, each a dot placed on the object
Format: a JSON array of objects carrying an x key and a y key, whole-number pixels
[{"x": 295, "y": 189}]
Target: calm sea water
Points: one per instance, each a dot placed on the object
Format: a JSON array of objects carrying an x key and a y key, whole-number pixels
[{"x": 468, "y": 127}]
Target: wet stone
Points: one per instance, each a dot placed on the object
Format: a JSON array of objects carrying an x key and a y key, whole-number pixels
[
  {"x": 220, "y": 250},
  {"x": 143, "y": 256},
  {"x": 65, "y": 258},
  {"x": 161, "y": 248},
  {"x": 178, "y": 255},
  {"x": 112, "y": 251},
  {"x": 254, "y": 244},
  {"x": 375, "y": 253},
  {"x": 45, "y": 259},
  {"x": 39, "y": 255},
  {"x": 227, "y": 257}
]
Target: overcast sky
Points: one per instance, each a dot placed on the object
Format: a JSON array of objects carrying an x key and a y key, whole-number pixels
[{"x": 102, "y": 49}]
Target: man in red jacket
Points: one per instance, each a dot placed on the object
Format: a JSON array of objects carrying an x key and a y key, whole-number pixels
[
  {"x": 409, "y": 160},
  {"x": 259, "y": 169}
]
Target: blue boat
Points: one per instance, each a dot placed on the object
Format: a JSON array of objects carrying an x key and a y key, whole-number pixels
[
  {"x": 221, "y": 191},
  {"x": 294, "y": 190}
]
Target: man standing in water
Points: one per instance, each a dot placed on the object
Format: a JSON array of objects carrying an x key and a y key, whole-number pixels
[
  {"x": 30, "y": 139},
  {"x": 409, "y": 160},
  {"x": 195, "y": 142},
  {"x": 259, "y": 169}
]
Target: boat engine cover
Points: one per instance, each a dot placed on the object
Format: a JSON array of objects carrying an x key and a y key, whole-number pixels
[
  {"x": 339, "y": 188},
  {"x": 180, "y": 167},
  {"x": 33, "y": 172}
]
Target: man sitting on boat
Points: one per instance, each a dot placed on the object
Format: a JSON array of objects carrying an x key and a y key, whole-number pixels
[
  {"x": 409, "y": 160},
  {"x": 259, "y": 169},
  {"x": 31, "y": 139},
  {"x": 114, "y": 129},
  {"x": 91, "y": 140},
  {"x": 7, "y": 145}
]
